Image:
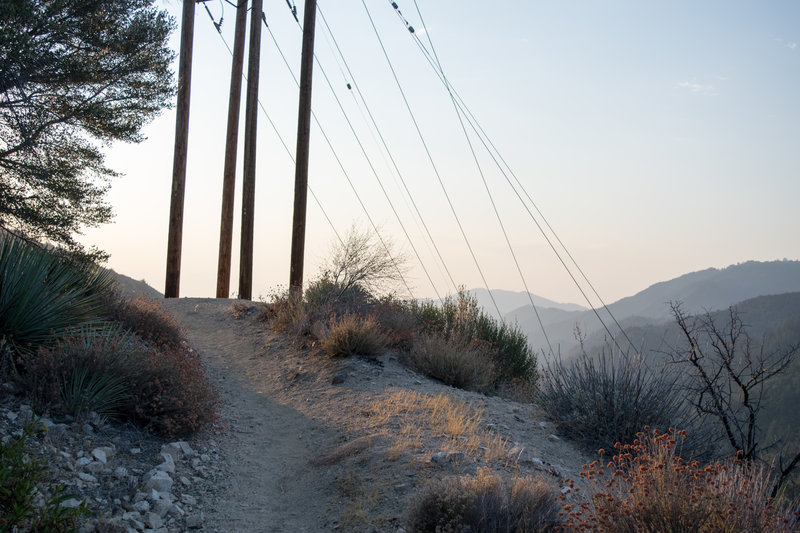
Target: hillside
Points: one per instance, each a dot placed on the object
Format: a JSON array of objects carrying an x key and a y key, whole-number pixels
[{"x": 710, "y": 289}]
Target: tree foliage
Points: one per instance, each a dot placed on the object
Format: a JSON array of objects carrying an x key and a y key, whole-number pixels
[{"x": 74, "y": 75}]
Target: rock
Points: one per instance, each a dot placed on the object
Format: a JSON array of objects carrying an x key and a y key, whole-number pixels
[
  {"x": 159, "y": 481},
  {"x": 142, "y": 506},
  {"x": 83, "y": 461},
  {"x": 121, "y": 473},
  {"x": 153, "y": 521},
  {"x": 161, "y": 507},
  {"x": 87, "y": 477},
  {"x": 185, "y": 448},
  {"x": 71, "y": 503},
  {"x": 441, "y": 458},
  {"x": 339, "y": 378},
  {"x": 168, "y": 465},
  {"x": 194, "y": 521},
  {"x": 320, "y": 331},
  {"x": 100, "y": 455},
  {"x": 188, "y": 499},
  {"x": 173, "y": 449},
  {"x": 553, "y": 438},
  {"x": 542, "y": 425}
]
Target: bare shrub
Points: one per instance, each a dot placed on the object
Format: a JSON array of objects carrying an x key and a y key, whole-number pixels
[
  {"x": 647, "y": 486},
  {"x": 485, "y": 503},
  {"x": 456, "y": 362},
  {"x": 599, "y": 401},
  {"x": 363, "y": 260},
  {"x": 353, "y": 335},
  {"x": 144, "y": 316}
]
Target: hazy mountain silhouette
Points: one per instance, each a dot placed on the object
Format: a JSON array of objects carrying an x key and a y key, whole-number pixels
[
  {"x": 707, "y": 290},
  {"x": 508, "y": 301}
]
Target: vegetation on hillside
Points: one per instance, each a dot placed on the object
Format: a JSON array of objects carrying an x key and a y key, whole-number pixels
[{"x": 77, "y": 347}]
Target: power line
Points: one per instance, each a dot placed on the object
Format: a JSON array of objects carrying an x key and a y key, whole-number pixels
[
  {"x": 341, "y": 166},
  {"x": 430, "y": 158},
  {"x": 386, "y": 147},
  {"x": 485, "y": 184},
  {"x": 480, "y": 132},
  {"x": 280, "y": 138}
]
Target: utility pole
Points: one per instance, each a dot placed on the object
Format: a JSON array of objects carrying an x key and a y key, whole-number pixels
[
  {"x": 303, "y": 138},
  {"x": 175, "y": 237},
  {"x": 229, "y": 172},
  {"x": 249, "y": 178}
]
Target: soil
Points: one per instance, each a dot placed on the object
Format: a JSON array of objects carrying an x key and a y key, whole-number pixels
[{"x": 313, "y": 443}]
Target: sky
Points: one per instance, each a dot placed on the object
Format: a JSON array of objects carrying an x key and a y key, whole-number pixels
[{"x": 656, "y": 138}]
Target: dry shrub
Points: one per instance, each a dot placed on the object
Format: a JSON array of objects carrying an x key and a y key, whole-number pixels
[
  {"x": 485, "y": 503},
  {"x": 353, "y": 335},
  {"x": 162, "y": 388},
  {"x": 288, "y": 315},
  {"x": 172, "y": 395},
  {"x": 144, "y": 316},
  {"x": 648, "y": 487},
  {"x": 456, "y": 362}
]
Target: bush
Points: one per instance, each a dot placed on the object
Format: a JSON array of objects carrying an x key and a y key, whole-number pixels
[
  {"x": 352, "y": 335},
  {"x": 162, "y": 388},
  {"x": 28, "y": 500},
  {"x": 81, "y": 374},
  {"x": 599, "y": 401},
  {"x": 44, "y": 293},
  {"x": 485, "y": 503},
  {"x": 462, "y": 318},
  {"x": 455, "y": 362},
  {"x": 145, "y": 316},
  {"x": 648, "y": 487}
]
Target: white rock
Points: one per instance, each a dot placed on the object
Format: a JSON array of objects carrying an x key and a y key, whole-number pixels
[
  {"x": 553, "y": 438},
  {"x": 100, "y": 455},
  {"x": 174, "y": 449},
  {"x": 142, "y": 506},
  {"x": 83, "y": 461},
  {"x": 168, "y": 464},
  {"x": 194, "y": 521},
  {"x": 71, "y": 503},
  {"x": 87, "y": 477},
  {"x": 188, "y": 499},
  {"x": 185, "y": 448},
  {"x": 153, "y": 521},
  {"x": 159, "y": 481},
  {"x": 162, "y": 507},
  {"x": 120, "y": 472}
]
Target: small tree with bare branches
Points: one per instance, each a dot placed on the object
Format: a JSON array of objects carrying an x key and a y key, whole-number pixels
[{"x": 726, "y": 379}]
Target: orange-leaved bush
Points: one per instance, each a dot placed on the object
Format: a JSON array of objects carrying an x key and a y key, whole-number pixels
[{"x": 647, "y": 486}]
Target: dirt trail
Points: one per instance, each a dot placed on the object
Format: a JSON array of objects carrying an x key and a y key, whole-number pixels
[
  {"x": 374, "y": 430},
  {"x": 271, "y": 487}
]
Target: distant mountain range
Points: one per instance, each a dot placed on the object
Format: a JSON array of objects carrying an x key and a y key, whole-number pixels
[{"x": 707, "y": 290}]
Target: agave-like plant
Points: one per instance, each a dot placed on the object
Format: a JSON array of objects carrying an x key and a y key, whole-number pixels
[{"x": 43, "y": 294}]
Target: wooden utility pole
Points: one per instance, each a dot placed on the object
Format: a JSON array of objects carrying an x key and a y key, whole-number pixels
[
  {"x": 175, "y": 237},
  {"x": 229, "y": 172},
  {"x": 249, "y": 178},
  {"x": 303, "y": 138}
]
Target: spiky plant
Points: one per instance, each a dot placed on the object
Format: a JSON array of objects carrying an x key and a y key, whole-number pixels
[{"x": 43, "y": 294}]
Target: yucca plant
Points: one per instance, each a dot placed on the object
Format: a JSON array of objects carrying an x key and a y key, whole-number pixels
[{"x": 42, "y": 294}]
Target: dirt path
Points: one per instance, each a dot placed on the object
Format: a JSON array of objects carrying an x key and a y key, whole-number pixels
[
  {"x": 271, "y": 487},
  {"x": 315, "y": 443}
]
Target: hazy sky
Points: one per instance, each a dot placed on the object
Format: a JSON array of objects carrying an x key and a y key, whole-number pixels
[{"x": 658, "y": 138}]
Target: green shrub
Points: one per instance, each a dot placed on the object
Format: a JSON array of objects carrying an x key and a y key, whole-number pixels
[
  {"x": 22, "y": 479},
  {"x": 43, "y": 294},
  {"x": 647, "y": 486},
  {"x": 353, "y": 335},
  {"x": 455, "y": 362},
  {"x": 462, "y": 318},
  {"x": 485, "y": 503},
  {"x": 599, "y": 401},
  {"x": 144, "y": 316}
]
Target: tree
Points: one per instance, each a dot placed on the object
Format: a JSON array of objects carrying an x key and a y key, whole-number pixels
[
  {"x": 75, "y": 75},
  {"x": 364, "y": 261},
  {"x": 726, "y": 379}
]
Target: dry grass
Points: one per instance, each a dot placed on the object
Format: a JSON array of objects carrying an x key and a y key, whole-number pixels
[
  {"x": 346, "y": 450},
  {"x": 485, "y": 503},
  {"x": 648, "y": 487},
  {"x": 354, "y": 335},
  {"x": 457, "y": 361},
  {"x": 454, "y": 426}
]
